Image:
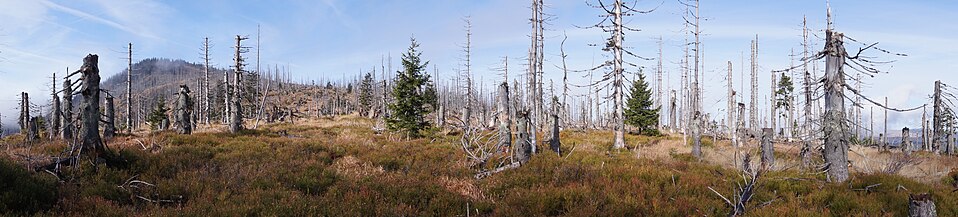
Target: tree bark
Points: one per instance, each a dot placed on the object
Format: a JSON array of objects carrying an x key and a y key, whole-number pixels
[
  {"x": 921, "y": 205},
  {"x": 905, "y": 141},
  {"x": 836, "y": 141},
  {"x": 67, "y": 122},
  {"x": 554, "y": 143},
  {"x": 523, "y": 149},
  {"x": 505, "y": 133},
  {"x": 184, "y": 111},
  {"x": 768, "y": 147},
  {"x": 90, "y": 141},
  {"x": 109, "y": 126}
]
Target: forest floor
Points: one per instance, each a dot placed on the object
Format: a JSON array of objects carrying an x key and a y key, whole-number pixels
[{"x": 342, "y": 167}]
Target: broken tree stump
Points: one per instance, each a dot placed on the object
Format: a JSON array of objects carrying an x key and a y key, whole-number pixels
[
  {"x": 905, "y": 142},
  {"x": 109, "y": 126},
  {"x": 67, "y": 123},
  {"x": 523, "y": 148},
  {"x": 921, "y": 205},
  {"x": 768, "y": 148},
  {"x": 90, "y": 141},
  {"x": 184, "y": 111},
  {"x": 554, "y": 143}
]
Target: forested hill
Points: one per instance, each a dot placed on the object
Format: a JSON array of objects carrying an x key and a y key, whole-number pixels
[{"x": 153, "y": 76}]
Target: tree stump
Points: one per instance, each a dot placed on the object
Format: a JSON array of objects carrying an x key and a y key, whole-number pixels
[
  {"x": 768, "y": 148},
  {"x": 109, "y": 126},
  {"x": 90, "y": 141},
  {"x": 523, "y": 149},
  {"x": 184, "y": 111},
  {"x": 921, "y": 205},
  {"x": 905, "y": 142},
  {"x": 505, "y": 133},
  {"x": 67, "y": 123},
  {"x": 554, "y": 143}
]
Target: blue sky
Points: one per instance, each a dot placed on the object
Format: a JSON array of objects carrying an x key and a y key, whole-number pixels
[{"x": 336, "y": 39}]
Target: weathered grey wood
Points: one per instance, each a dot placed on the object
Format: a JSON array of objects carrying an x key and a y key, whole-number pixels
[
  {"x": 836, "y": 141},
  {"x": 523, "y": 148},
  {"x": 90, "y": 141},
  {"x": 109, "y": 115},
  {"x": 67, "y": 123},
  {"x": 554, "y": 143},
  {"x": 768, "y": 147},
  {"x": 921, "y": 205},
  {"x": 54, "y": 111},
  {"x": 184, "y": 111},
  {"x": 236, "y": 116},
  {"x": 505, "y": 132},
  {"x": 905, "y": 142},
  {"x": 33, "y": 131},
  {"x": 129, "y": 91}
]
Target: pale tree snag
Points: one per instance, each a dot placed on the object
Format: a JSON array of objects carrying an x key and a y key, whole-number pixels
[
  {"x": 807, "y": 135},
  {"x": 613, "y": 23},
  {"x": 905, "y": 142},
  {"x": 768, "y": 147},
  {"x": 236, "y": 118},
  {"x": 921, "y": 205},
  {"x": 67, "y": 122},
  {"x": 129, "y": 90},
  {"x": 27, "y": 124},
  {"x": 207, "y": 98},
  {"x": 109, "y": 114},
  {"x": 836, "y": 141},
  {"x": 184, "y": 110},
  {"x": 55, "y": 111}
]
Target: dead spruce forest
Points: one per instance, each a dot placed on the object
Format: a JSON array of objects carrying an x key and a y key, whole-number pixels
[{"x": 172, "y": 137}]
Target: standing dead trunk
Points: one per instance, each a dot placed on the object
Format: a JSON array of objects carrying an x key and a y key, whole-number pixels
[
  {"x": 236, "y": 118},
  {"x": 26, "y": 120},
  {"x": 109, "y": 126},
  {"x": 184, "y": 111},
  {"x": 523, "y": 148},
  {"x": 836, "y": 141},
  {"x": 67, "y": 121},
  {"x": 33, "y": 131},
  {"x": 697, "y": 135},
  {"x": 90, "y": 141},
  {"x": 768, "y": 148},
  {"x": 55, "y": 111},
  {"x": 921, "y": 205},
  {"x": 554, "y": 143},
  {"x": 905, "y": 141},
  {"x": 505, "y": 133}
]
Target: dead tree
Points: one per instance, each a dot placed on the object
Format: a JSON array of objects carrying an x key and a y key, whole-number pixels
[
  {"x": 24, "y": 120},
  {"x": 109, "y": 115},
  {"x": 67, "y": 123},
  {"x": 753, "y": 109},
  {"x": 55, "y": 110},
  {"x": 697, "y": 119},
  {"x": 467, "y": 73},
  {"x": 505, "y": 132},
  {"x": 236, "y": 118},
  {"x": 921, "y": 205},
  {"x": 184, "y": 110},
  {"x": 129, "y": 91},
  {"x": 808, "y": 132},
  {"x": 768, "y": 147},
  {"x": 613, "y": 23},
  {"x": 522, "y": 149},
  {"x": 90, "y": 142},
  {"x": 555, "y": 143},
  {"x": 207, "y": 97}
]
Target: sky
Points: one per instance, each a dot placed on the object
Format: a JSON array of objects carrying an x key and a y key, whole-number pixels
[{"x": 340, "y": 39}]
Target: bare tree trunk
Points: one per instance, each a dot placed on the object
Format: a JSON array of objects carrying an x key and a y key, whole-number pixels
[
  {"x": 67, "y": 122},
  {"x": 90, "y": 140},
  {"x": 905, "y": 142},
  {"x": 109, "y": 126},
  {"x": 55, "y": 111},
  {"x": 505, "y": 133},
  {"x": 184, "y": 111},
  {"x": 768, "y": 147},
  {"x": 921, "y": 205},
  {"x": 207, "y": 97},
  {"x": 806, "y": 139},
  {"x": 129, "y": 91},
  {"x": 617, "y": 83},
  {"x": 836, "y": 141},
  {"x": 523, "y": 149},
  {"x": 236, "y": 118}
]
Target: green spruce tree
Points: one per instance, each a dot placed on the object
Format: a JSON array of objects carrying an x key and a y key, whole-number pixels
[
  {"x": 366, "y": 94},
  {"x": 783, "y": 96},
  {"x": 638, "y": 108},
  {"x": 158, "y": 118},
  {"x": 414, "y": 93}
]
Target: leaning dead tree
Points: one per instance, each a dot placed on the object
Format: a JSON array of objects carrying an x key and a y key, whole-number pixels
[
  {"x": 613, "y": 23},
  {"x": 184, "y": 110},
  {"x": 236, "y": 117}
]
